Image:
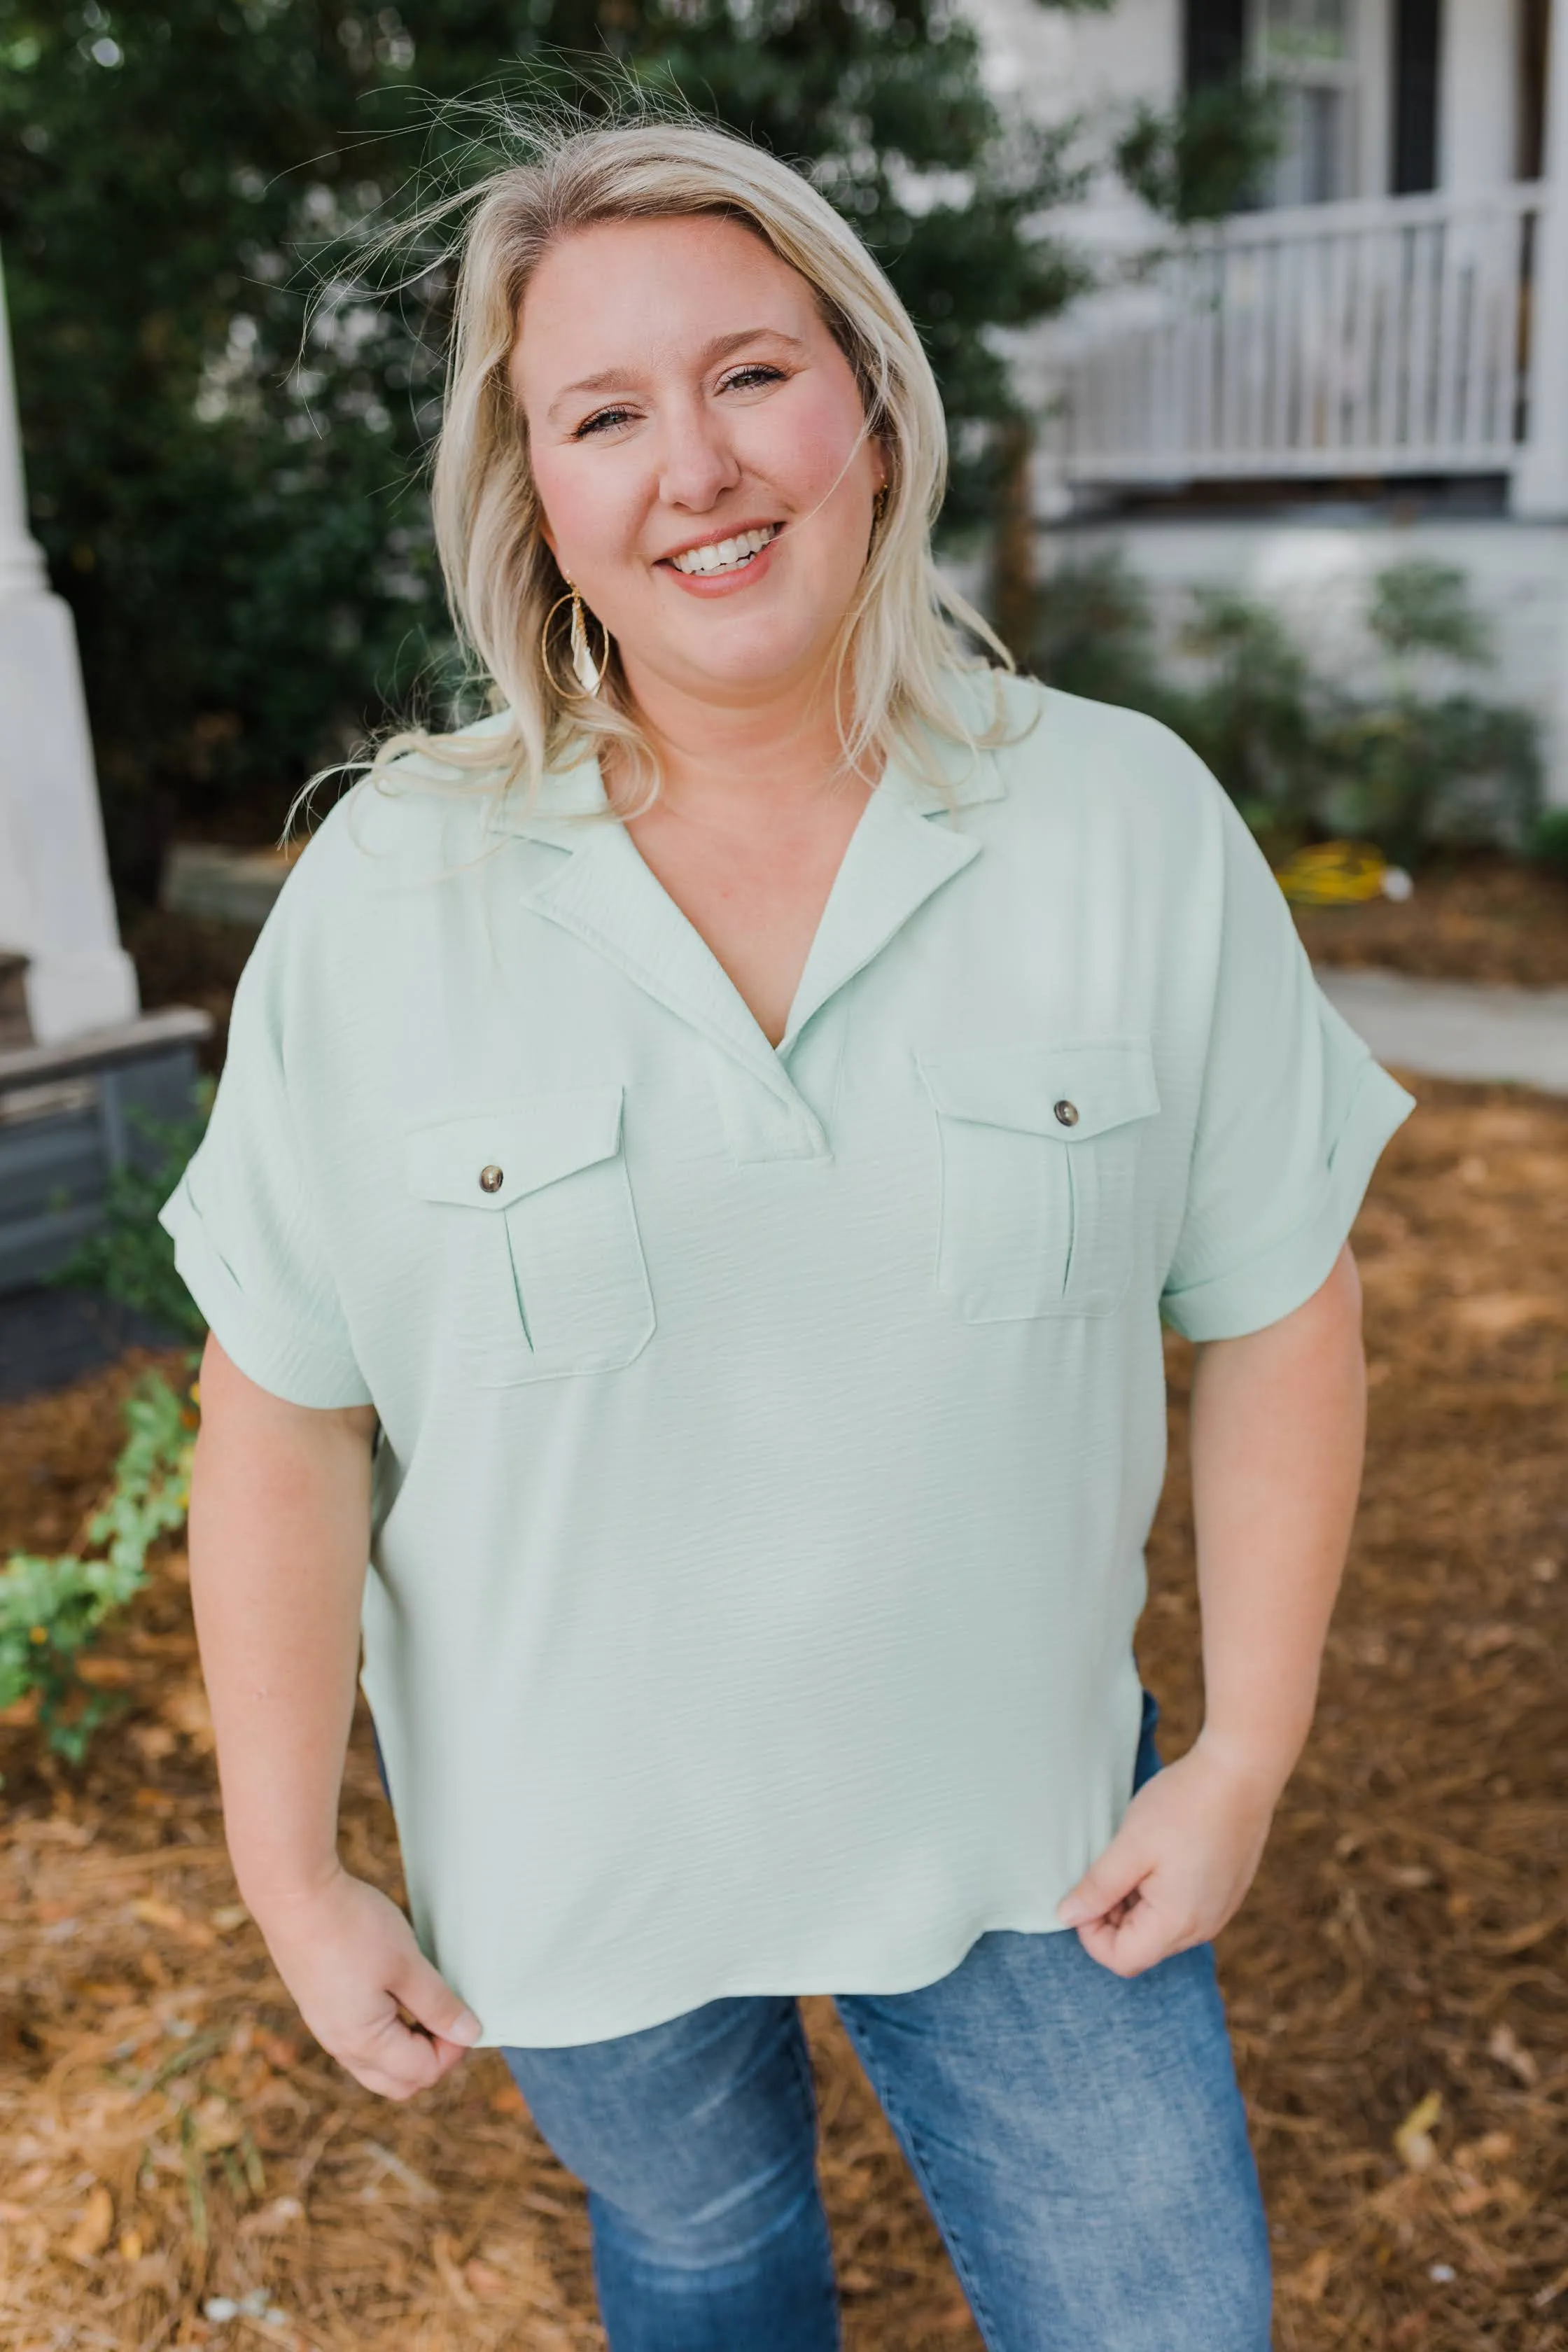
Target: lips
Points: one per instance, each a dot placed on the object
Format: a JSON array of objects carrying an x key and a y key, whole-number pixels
[{"x": 724, "y": 555}]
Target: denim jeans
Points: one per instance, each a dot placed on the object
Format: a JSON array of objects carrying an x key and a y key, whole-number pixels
[{"x": 1078, "y": 2137}]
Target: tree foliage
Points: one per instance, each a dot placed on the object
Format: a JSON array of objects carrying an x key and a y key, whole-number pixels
[{"x": 238, "y": 517}]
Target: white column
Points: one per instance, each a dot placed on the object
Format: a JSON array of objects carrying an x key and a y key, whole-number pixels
[
  {"x": 1475, "y": 96},
  {"x": 1541, "y": 482},
  {"x": 55, "y": 905}
]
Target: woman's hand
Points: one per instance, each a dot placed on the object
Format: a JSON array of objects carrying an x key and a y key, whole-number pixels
[
  {"x": 349, "y": 1957},
  {"x": 1178, "y": 1868}
]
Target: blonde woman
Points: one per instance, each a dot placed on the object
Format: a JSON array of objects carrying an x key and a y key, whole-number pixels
[{"x": 703, "y": 1160}]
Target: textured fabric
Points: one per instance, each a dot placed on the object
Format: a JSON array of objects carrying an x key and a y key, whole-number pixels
[
  {"x": 1079, "y": 2140},
  {"x": 769, "y": 1439}
]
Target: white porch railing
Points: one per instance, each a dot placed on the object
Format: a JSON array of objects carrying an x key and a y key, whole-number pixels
[{"x": 1388, "y": 337}]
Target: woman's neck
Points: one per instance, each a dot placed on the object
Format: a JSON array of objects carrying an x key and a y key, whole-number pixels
[{"x": 738, "y": 765}]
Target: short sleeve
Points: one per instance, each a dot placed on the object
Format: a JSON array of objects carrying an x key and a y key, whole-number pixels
[
  {"x": 247, "y": 1245},
  {"x": 1293, "y": 1113}
]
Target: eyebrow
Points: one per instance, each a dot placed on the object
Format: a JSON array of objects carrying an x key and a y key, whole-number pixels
[{"x": 617, "y": 379}]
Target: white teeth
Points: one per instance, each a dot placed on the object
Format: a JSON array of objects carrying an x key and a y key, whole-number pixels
[{"x": 726, "y": 554}]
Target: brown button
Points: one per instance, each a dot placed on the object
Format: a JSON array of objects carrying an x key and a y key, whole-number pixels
[
  {"x": 492, "y": 1178},
  {"x": 1067, "y": 1112}
]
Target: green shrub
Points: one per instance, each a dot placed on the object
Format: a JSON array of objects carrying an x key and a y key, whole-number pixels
[
  {"x": 1549, "y": 840},
  {"x": 1412, "y": 766},
  {"x": 51, "y": 1610},
  {"x": 131, "y": 1258}
]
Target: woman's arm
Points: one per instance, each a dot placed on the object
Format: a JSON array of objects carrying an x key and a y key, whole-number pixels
[
  {"x": 1278, "y": 1430},
  {"x": 279, "y": 1530}
]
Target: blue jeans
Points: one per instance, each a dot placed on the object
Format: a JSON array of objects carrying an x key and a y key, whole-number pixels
[{"x": 1078, "y": 2137}]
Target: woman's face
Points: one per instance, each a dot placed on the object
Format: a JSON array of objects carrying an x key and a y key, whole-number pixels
[{"x": 695, "y": 434}]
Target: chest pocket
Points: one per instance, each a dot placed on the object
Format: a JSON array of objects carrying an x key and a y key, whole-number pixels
[
  {"x": 1039, "y": 1161},
  {"x": 531, "y": 1210}
]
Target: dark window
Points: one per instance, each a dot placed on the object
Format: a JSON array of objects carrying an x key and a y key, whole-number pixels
[
  {"x": 1534, "y": 33},
  {"x": 1417, "y": 39},
  {"x": 1215, "y": 41}
]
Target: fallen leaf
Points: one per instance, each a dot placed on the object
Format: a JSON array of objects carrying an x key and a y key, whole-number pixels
[
  {"x": 1550, "y": 2292},
  {"x": 1485, "y": 1641},
  {"x": 444, "y": 2252},
  {"x": 1413, "y": 2142},
  {"x": 1495, "y": 1313},
  {"x": 269, "y": 2219},
  {"x": 277, "y": 2049},
  {"x": 93, "y": 2225},
  {"x": 154, "y": 1912},
  {"x": 1506, "y": 2047},
  {"x": 131, "y": 2244},
  {"x": 1309, "y": 2283},
  {"x": 422, "y": 2190},
  {"x": 187, "y": 1710},
  {"x": 216, "y": 2123},
  {"x": 488, "y": 2283},
  {"x": 508, "y": 2101},
  {"x": 106, "y": 1673}
]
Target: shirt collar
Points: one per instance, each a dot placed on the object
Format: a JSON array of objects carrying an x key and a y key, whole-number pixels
[{"x": 576, "y": 791}]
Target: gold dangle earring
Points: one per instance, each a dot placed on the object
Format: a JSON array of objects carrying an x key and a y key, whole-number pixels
[{"x": 588, "y": 672}]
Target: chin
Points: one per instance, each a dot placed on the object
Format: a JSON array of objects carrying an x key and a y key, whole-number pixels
[{"x": 759, "y": 659}]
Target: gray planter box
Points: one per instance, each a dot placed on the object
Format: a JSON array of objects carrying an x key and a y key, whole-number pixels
[{"x": 63, "y": 1126}]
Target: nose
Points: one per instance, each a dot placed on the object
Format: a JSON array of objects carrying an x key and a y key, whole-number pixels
[{"x": 697, "y": 463}]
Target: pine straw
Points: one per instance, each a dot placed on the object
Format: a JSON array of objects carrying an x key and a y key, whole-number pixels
[{"x": 169, "y": 2134}]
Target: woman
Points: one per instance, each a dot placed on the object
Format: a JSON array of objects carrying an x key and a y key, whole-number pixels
[{"x": 701, "y": 1164}]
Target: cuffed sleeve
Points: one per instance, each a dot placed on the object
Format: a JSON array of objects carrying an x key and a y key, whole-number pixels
[
  {"x": 1292, "y": 1116},
  {"x": 247, "y": 1243}
]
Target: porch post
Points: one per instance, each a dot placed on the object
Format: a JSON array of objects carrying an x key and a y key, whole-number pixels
[
  {"x": 1540, "y": 481},
  {"x": 55, "y": 905}
]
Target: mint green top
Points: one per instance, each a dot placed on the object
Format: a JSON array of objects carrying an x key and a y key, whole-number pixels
[{"x": 769, "y": 1439}]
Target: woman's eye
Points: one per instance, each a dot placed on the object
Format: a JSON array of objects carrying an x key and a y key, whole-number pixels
[
  {"x": 599, "y": 422},
  {"x": 746, "y": 377}
]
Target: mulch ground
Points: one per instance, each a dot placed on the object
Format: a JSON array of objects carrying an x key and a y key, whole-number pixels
[
  {"x": 1479, "y": 916},
  {"x": 169, "y": 2134}
]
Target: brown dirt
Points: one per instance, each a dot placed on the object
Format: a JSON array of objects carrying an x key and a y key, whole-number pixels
[
  {"x": 168, "y": 2133},
  {"x": 1479, "y": 917}
]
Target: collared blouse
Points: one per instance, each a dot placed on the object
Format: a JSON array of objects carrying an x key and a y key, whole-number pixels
[{"x": 769, "y": 1438}]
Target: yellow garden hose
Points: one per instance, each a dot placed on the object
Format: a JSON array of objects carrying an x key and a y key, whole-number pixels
[{"x": 1339, "y": 874}]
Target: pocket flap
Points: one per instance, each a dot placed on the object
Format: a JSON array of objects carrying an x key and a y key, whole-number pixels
[
  {"x": 1098, "y": 1085},
  {"x": 490, "y": 1158}
]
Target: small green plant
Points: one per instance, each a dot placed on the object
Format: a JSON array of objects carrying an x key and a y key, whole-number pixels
[
  {"x": 1416, "y": 762},
  {"x": 51, "y": 1610},
  {"x": 1549, "y": 840},
  {"x": 131, "y": 1258},
  {"x": 1421, "y": 764}
]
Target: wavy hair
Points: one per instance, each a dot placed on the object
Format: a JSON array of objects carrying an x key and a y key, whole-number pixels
[{"x": 900, "y": 641}]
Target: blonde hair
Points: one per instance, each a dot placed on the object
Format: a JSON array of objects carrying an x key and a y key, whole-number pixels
[{"x": 898, "y": 643}]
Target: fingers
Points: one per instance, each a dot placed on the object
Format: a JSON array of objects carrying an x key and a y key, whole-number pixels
[
  {"x": 396, "y": 2059},
  {"x": 430, "y": 2000},
  {"x": 1110, "y": 1883},
  {"x": 1136, "y": 1937}
]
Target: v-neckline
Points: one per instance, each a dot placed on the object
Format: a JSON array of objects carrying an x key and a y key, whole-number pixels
[
  {"x": 606, "y": 894},
  {"x": 679, "y": 911}
]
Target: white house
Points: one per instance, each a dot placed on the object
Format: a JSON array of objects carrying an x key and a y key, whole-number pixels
[{"x": 1371, "y": 364}]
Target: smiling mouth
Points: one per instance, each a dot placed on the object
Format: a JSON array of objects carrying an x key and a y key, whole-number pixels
[{"x": 725, "y": 554}]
